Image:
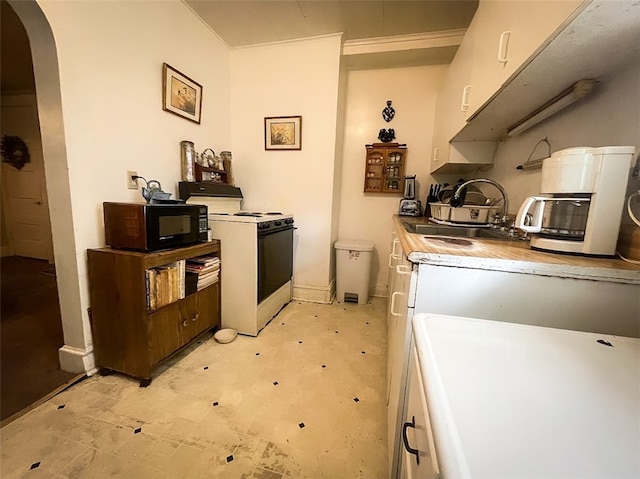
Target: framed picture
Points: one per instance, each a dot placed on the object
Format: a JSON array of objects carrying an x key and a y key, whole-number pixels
[
  {"x": 180, "y": 94},
  {"x": 283, "y": 133}
]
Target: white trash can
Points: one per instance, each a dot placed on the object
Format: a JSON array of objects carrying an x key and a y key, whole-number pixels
[{"x": 353, "y": 270}]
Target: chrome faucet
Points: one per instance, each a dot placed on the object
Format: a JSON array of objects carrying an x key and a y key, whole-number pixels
[{"x": 456, "y": 201}]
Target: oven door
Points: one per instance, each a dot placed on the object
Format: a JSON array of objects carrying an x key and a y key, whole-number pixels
[{"x": 275, "y": 260}]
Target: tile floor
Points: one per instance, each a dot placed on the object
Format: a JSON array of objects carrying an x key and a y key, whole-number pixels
[{"x": 306, "y": 399}]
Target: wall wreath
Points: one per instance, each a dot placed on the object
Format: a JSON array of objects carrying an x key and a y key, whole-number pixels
[{"x": 14, "y": 151}]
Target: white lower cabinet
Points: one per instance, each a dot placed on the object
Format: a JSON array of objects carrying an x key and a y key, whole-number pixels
[
  {"x": 556, "y": 302},
  {"x": 418, "y": 458},
  {"x": 401, "y": 278}
]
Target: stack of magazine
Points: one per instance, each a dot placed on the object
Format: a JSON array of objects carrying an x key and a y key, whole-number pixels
[{"x": 203, "y": 271}]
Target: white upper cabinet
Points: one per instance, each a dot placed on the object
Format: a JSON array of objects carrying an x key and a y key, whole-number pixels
[
  {"x": 502, "y": 37},
  {"x": 598, "y": 41},
  {"x": 452, "y": 104},
  {"x": 506, "y": 34}
]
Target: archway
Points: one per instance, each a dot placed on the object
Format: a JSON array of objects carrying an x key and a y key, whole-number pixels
[{"x": 76, "y": 355}]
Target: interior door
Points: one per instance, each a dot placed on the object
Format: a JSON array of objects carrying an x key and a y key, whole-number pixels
[{"x": 24, "y": 196}]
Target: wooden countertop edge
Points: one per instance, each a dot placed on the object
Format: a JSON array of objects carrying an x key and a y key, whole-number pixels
[{"x": 508, "y": 257}]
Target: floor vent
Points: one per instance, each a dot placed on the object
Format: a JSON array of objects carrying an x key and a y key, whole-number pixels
[{"x": 350, "y": 297}]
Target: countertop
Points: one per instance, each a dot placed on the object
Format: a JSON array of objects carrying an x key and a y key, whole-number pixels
[
  {"x": 510, "y": 400},
  {"x": 509, "y": 256}
]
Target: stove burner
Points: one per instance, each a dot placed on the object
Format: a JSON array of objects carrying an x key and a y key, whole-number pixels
[
  {"x": 273, "y": 213},
  {"x": 219, "y": 213}
]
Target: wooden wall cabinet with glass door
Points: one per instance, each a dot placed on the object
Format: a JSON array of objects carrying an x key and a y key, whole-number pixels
[{"x": 384, "y": 168}]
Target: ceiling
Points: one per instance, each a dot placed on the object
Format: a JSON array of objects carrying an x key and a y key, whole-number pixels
[{"x": 248, "y": 22}]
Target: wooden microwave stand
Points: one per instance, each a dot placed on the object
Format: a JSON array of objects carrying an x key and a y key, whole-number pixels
[{"x": 129, "y": 337}]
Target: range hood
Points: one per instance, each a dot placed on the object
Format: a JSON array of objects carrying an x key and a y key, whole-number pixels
[{"x": 188, "y": 189}]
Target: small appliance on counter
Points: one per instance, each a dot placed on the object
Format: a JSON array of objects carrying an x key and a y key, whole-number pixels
[
  {"x": 580, "y": 206},
  {"x": 409, "y": 205},
  {"x": 152, "y": 227}
]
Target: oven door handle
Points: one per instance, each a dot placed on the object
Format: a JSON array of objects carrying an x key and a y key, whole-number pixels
[{"x": 279, "y": 230}]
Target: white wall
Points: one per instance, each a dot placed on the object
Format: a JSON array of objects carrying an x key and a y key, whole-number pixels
[
  {"x": 110, "y": 56},
  {"x": 288, "y": 79},
  {"x": 413, "y": 93},
  {"x": 610, "y": 116}
]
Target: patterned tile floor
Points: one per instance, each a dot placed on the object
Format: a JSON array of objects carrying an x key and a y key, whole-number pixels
[{"x": 305, "y": 399}]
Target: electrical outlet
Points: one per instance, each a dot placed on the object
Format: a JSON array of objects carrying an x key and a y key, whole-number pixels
[{"x": 132, "y": 183}]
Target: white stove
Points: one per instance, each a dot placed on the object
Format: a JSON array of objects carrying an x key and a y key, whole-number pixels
[
  {"x": 248, "y": 216},
  {"x": 256, "y": 256}
]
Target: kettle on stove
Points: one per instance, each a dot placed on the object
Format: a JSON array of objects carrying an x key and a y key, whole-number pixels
[{"x": 409, "y": 205}]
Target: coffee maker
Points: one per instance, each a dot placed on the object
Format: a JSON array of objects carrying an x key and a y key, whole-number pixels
[
  {"x": 409, "y": 205},
  {"x": 580, "y": 207}
]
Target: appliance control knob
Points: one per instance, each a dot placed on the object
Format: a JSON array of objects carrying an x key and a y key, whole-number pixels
[
  {"x": 277, "y": 223},
  {"x": 263, "y": 226},
  {"x": 288, "y": 221}
]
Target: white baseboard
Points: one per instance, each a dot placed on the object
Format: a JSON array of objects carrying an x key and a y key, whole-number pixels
[
  {"x": 380, "y": 291},
  {"x": 314, "y": 294},
  {"x": 75, "y": 360}
]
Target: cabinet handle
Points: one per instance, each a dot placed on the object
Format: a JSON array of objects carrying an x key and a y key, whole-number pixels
[
  {"x": 393, "y": 303},
  {"x": 396, "y": 242},
  {"x": 409, "y": 449},
  {"x": 503, "y": 46},
  {"x": 393, "y": 254},
  {"x": 465, "y": 98},
  {"x": 195, "y": 316},
  {"x": 403, "y": 269},
  {"x": 184, "y": 323}
]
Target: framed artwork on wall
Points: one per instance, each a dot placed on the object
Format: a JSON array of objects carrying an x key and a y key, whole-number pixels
[
  {"x": 181, "y": 95},
  {"x": 283, "y": 133}
]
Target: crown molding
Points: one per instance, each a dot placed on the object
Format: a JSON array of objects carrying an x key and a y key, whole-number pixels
[{"x": 418, "y": 41}]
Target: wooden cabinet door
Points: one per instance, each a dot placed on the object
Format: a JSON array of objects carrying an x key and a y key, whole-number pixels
[
  {"x": 166, "y": 331},
  {"x": 374, "y": 168},
  {"x": 394, "y": 171},
  {"x": 200, "y": 312}
]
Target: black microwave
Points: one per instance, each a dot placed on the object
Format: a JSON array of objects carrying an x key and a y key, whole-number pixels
[{"x": 151, "y": 227}]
